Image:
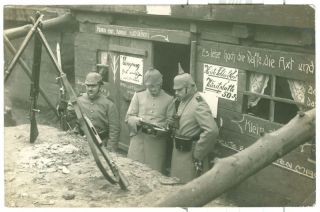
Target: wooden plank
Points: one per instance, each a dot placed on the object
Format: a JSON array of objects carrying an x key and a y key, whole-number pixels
[
  {"x": 92, "y": 17},
  {"x": 91, "y": 41},
  {"x": 162, "y": 35},
  {"x": 286, "y": 64},
  {"x": 219, "y": 37},
  {"x": 302, "y": 16},
  {"x": 296, "y": 37},
  {"x": 246, "y": 124},
  {"x": 129, "y": 50}
]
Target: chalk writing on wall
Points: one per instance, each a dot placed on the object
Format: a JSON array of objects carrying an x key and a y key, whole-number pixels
[
  {"x": 220, "y": 80},
  {"x": 114, "y": 64},
  {"x": 131, "y": 69},
  {"x": 310, "y": 95},
  {"x": 288, "y": 165},
  {"x": 249, "y": 125},
  {"x": 174, "y": 36},
  {"x": 257, "y": 59}
]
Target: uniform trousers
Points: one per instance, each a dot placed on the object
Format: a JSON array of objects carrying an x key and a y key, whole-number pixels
[{"x": 182, "y": 165}]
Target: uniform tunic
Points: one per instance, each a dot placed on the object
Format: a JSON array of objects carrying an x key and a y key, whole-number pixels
[
  {"x": 147, "y": 148},
  {"x": 103, "y": 114},
  {"x": 195, "y": 119}
]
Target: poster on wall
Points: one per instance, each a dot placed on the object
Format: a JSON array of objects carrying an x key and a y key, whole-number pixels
[
  {"x": 131, "y": 69},
  {"x": 221, "y": 81}
]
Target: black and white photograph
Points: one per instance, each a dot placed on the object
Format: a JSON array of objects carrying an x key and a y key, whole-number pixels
[{"x": 177, "y": 105}]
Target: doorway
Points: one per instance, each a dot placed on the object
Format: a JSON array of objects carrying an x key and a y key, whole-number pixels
[{"x": 166, "y": 59}]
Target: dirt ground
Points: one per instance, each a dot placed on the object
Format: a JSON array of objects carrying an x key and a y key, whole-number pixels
[{"x": 58, "y": 170}]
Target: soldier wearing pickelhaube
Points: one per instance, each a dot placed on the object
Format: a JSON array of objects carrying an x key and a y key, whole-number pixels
[
  {"x": 196, "y": 130},
  {"x": 102, "y": 112},
  {"x": 148, "y": 108}
]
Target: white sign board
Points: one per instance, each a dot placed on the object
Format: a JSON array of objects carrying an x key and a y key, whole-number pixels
[
  {"x": 220, "y": 80},
  {"x": 131, "y": 69},
  {"x": 212, "y": 101}
]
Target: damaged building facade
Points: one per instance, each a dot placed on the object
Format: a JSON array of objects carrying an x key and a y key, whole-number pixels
[{"x": 254, "y": 64}]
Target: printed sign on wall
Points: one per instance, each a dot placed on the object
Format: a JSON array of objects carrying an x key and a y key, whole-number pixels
[
  {"x": 131, "y": 69},
  {"x": 220, "y": 80}
]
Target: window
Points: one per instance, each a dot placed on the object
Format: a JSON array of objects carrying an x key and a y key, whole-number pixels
[
  {"x": 273, "y": 98},
  {"x": 102, "y": 65}
]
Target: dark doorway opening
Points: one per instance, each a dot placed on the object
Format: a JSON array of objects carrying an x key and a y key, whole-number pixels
[{"x": 166, "y": 59}]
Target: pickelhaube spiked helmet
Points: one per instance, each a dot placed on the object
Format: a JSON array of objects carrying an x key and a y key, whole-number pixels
[{"x": 182, "y": 80}]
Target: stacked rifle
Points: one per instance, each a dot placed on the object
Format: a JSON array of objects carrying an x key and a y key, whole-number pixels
[{"x": 107, "y": 166}]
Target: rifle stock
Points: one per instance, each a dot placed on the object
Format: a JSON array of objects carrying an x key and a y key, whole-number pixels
[
  {"x": 115, "y": 170},
  {"x": 86, "y": 125}
]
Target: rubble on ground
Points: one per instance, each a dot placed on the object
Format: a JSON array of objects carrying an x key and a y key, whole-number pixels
[{"x": 58, "y": 170}]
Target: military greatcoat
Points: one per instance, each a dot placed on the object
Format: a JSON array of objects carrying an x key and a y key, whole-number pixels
[
  {"x": 146, "y": 148},
  {"x": 196, "y": 121}
]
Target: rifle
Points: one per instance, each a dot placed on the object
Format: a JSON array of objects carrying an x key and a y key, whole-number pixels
[
  {"x": 63, "y": 102},
  {"x": 114, "y": 168},
  {"x": 34, "y": 89},
  {"x": 85, "y": 124},
  {"x": 152, "y": 127}
]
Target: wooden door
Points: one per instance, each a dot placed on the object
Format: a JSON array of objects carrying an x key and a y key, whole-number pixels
[{"x": 127, "y": 59}]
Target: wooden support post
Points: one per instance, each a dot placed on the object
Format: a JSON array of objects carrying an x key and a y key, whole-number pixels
[
  {"x": 193, "y": 50},
  {"x": 230, "y": 171}
]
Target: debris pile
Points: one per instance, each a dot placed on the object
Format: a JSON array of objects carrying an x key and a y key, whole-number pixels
[{"x": 58, "y": 170}]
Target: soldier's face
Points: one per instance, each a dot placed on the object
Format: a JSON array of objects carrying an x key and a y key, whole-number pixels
[
  {"x": 181, "y": 93},
  {"x": 154, "y": 89},
  {"x": 92, "y": 91}
]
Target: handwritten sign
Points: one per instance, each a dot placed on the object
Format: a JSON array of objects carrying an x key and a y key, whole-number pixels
[
  {"x": 287, "y": 64},
  {"x": 310, "y": 95},
  {"x": 212, "y": 101},
  {"x": 131, "y": 69},
  {"x": 173, "y": 36},
  {"x": 222, "y": 81}
]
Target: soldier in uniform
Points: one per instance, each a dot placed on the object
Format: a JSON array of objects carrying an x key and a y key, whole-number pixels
[
  {"x": 100, "y": 110},
  {"x": 196, "y": 131},
  {"x": 155, "y": 107}
]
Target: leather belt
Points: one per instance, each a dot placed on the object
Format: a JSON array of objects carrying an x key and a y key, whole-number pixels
[{"x": 183, "y": 144}]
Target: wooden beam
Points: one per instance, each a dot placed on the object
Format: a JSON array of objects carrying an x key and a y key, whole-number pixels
[
  {"x": 229, "y": 172},
  {"x": 47, "y": 24},
  {"x": 129, "y": 50}
]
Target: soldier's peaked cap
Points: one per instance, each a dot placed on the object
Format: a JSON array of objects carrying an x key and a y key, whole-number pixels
[
  {"x": 182, "y": 80},
  {"x": 93, "y": 78}
]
